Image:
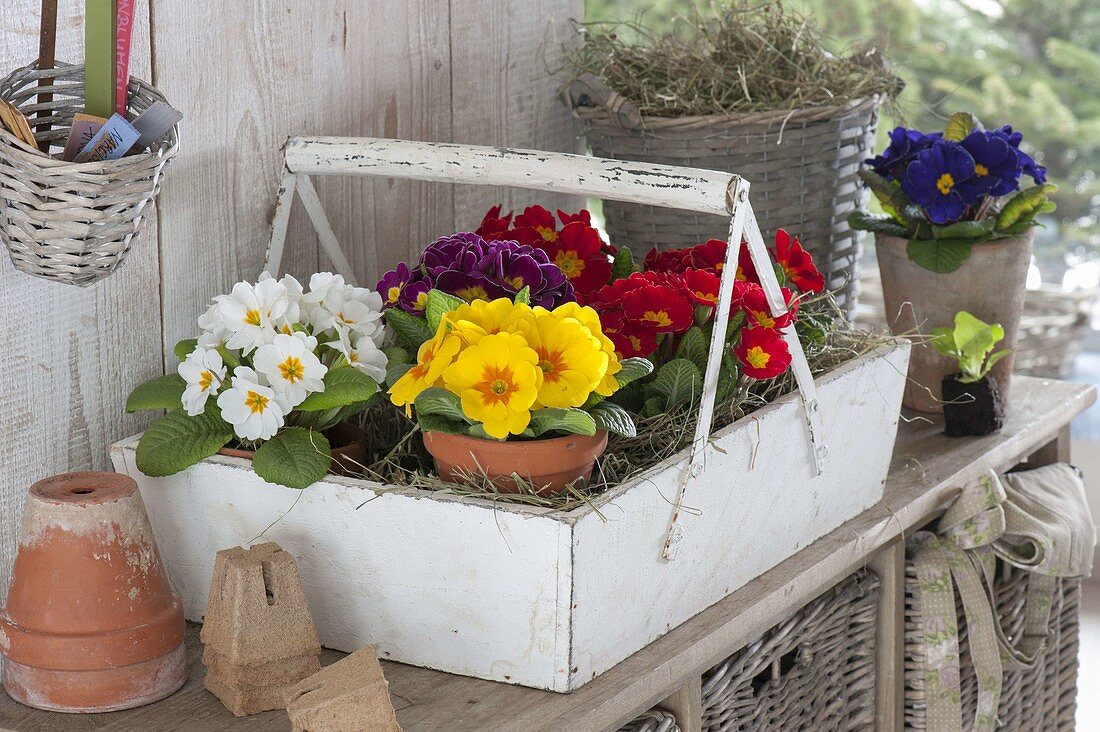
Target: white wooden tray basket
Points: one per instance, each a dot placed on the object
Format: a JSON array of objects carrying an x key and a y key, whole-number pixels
[{"x": 519, "y": 594}]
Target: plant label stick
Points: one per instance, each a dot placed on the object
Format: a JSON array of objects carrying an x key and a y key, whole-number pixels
[
  {"x": 124, "y": 30},
  {"x": 84, "y": 128},
  {"x": 99, "y": 57},
  {"x": 111, "y": 142}
]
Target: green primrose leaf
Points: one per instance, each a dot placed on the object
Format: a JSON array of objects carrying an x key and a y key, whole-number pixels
[
  {"x": 569, "y": 421},
  {"x": 412, "y": 330},
  {"x": 396, "y": 355},
  {"x": 183, "y": 348},
  {"x": 939, "y": 255},
  {"x": 523, "y": 297},
  {"x": 343, "y": 386},
  {"x": 296, "y": 458},
  {"x": 693, "y": 347},
  {"x": 395, "y": 372},
  {"x": 678, "y": 381},
  {"x": 889, "y": 194},
  {"x": 1024, "y": 206},
  {"x": 229, "y": 358},
  {"x": 163, "y": 392},
  {"x": 176, "y": 441},
  {"x": 613, "y": 418},
  {"x": 959, "y": 125},
  {"x": 439, "y": 304},
  {"x": 440, "y": 423},
  {"x": 632, "y": 370},
  {"x": 436, "y": 400},
  {"x": 964, "y": 230},
  {"x": 878, "y": 223}
]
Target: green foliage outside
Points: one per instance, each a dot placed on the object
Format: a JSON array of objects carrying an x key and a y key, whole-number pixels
[{"x": 1032, "y": 63}]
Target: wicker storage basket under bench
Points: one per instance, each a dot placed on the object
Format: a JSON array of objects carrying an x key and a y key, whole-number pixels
[
  {"x": 1043, "y": 698},
  {"x": 815, "y": 671}
]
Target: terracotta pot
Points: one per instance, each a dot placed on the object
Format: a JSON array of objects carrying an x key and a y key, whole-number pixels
[
  {"x": 551, "y": 464},
  {"x": 349, "y": 449},
  {"x": 91, "y": 624},
  {"x": 989, "y": 285}
]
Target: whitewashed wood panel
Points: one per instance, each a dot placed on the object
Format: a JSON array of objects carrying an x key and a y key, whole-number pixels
[
  {"x": 503, "y": 55},
  {"x": 71, "y": 355},
  {"x": 248, "y": 75}
]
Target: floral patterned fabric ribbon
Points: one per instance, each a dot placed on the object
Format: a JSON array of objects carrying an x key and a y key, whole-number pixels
[{"x": 1040, "y": 523}]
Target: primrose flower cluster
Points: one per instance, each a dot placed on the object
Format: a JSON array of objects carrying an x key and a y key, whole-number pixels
[
  {"x": 273, "y": 369},
  {"x": 280, "y": 342},
  {"x": 576, "y": 247},
  {"x": 470, "y": 267},
  {"x": 944, "y": 192},
  {"x": 504, "y": 361},
  {"x": 649, "y": 312},
  {"x": 949, "y": 178}
]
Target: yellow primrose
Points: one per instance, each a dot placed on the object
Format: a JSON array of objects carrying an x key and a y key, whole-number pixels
[
  {"x": 591, "y": 319},
  {"x": 433, "y": 356},
  {"x": 572, "y": 362},
  {"x": 474, "y": 321},
  {"x": 498, "y": 381}
]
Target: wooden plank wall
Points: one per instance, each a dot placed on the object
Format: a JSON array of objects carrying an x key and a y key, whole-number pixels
[
  {"x": 247, "y": 75},
  {"x": 70, "y": 355}
]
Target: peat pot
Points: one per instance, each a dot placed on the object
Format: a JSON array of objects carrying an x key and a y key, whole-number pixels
[
  {"x": 989, "y": 285},
  {"x": 548, "y": 465},
  {"x": 91, "y": 623}
]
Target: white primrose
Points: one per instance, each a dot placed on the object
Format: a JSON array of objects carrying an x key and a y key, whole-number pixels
[
  {"x": 204, "y": 372},
  {"x": 284, "y": 365},
  {"x": 249, "y": 313},
  {"x": 254, "y": 410},
  {"x": 364, "y": 355},
  {"x": 291, "y": 367}
]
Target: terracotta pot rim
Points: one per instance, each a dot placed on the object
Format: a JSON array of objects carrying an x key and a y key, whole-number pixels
[
  {"x": 84, "y": 487},
  {"x": 985, "y": 244},
  {"x": 506, "y": 444}
]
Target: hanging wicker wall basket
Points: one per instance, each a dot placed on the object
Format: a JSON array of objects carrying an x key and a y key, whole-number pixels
[
  {"x": 802, "y": 163},
  {"x": 68, "y": 222}
]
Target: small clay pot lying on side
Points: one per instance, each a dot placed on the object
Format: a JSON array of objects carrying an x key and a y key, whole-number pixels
[{"x": 971, "y": 410}]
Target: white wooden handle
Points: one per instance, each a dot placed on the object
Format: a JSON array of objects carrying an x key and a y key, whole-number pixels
[{"x": 690, "y": 189}]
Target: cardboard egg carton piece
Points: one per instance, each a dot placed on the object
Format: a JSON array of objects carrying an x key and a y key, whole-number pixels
[
  {"x": 348, "y": 696},
  {"x": 258, "y": 634}
]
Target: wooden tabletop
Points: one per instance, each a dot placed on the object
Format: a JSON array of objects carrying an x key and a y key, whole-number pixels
[{"x": 927, "y": 470}]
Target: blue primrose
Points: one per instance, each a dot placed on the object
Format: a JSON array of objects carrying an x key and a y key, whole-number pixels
[
  {"x": 904, "y": 146},
  {"x": 933, "y": 181},
  {"x": 996, "y": 165},
  {"x": 1027, "y": 163}
]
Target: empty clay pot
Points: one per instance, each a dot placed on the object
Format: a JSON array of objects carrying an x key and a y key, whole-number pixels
[
  {"x": 91, "y": 624},
  {"x": 349, "y": 449},
  {"x": 988, "y": 285},
  {"x": 550, "y": 464}
]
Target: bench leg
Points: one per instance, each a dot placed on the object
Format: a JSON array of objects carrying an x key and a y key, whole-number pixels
[
  {"x": 889, "y": 566},
  {"x": 686, "y": 703}
]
